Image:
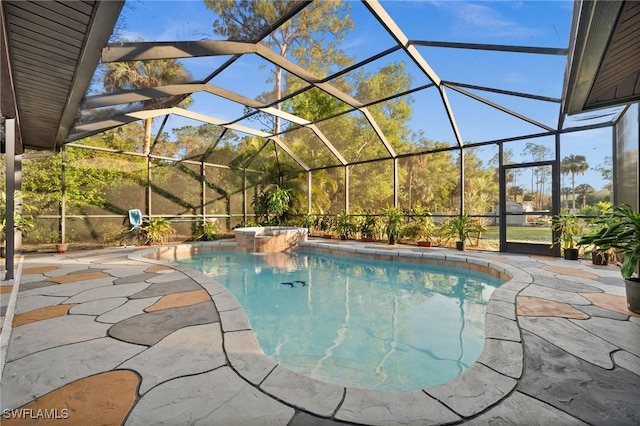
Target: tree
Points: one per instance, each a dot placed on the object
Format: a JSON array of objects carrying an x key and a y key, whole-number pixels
[
  {"x": 301, "y": 37},
  {"x": 574, "y": 164},
  {"x": 584, "y": 190},
  {"x": 538, "y": 153},
  {"x": 515, "y": 191},
  {"x": 134, "y": 75}
]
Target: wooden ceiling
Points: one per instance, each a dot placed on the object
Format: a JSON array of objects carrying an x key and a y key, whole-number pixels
[
  {"x": 604, "y": 61},
  {"x": 52, "y": 50}
]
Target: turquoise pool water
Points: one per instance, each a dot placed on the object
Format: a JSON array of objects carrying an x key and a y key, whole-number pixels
[{"x": 393, "y": 326}]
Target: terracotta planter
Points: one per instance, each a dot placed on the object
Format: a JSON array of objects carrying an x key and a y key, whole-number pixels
[
  {"x": 367, "y": 239},
  {"x": 327, "y": 236},
  {"x": 62, "y": 247},
  {"x": 632, "y": 286},
  {"x": 424, "y": 243}
]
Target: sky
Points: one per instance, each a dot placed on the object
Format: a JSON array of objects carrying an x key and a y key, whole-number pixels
[{"x": 520, "y": 23}]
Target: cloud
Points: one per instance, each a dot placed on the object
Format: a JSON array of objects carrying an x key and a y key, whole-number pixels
[{"x": 484, "y": 21}]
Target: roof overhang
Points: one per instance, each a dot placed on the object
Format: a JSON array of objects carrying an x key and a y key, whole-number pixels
[
  {"x": 51, "y": 53},
  {"x": 604, "y": 61}
]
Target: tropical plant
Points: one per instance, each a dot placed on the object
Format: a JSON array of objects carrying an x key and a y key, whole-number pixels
[
  {"x": 619, "y": 230},
  {"x": 157, "y": 230},
  {"x": 272, "y": 203},
  {"x": 424, "y": 223},
  {"x": 344, "y": 225},
  {"x": 460, "y": 227},
  {"x": 394, "y": 217},
  {"x": 573, "y": 165},
  {"x": 569, "y": 228},
  {"x": 207, "y": 231},
  {"x": 370, "y": 227}
]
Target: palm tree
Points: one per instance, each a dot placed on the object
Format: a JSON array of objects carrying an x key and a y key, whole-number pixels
[
  {"x": 584, "y": 190},
  {"x": 574, "y": 164},
  {"x": 135, "y": 75}
]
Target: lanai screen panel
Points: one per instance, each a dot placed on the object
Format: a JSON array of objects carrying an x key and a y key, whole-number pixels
[
  {"x": 309, "y": 148},
  {"x": 627, "y": 160},
  {"x": 428, "y": 124},
  {"x": 328, "y": 191},
  {"x": 175, "y": 188},
  {"x": 353, "y": 137},
  {"x": 429, "y": 180},
  {"x": 371, "y": 186},
  {"x": 586, "y": 173},
  {"x": 481, "y": 193}
]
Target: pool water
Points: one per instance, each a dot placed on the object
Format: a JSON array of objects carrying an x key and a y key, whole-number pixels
[{"x": 393, "y": 326}]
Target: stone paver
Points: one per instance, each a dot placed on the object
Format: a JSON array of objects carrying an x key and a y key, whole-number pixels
[
  {"x": 393, "y": 408},
  {"x": 520, "y": 409},
  {"x": 98, "y": 307},
  {"x": 30, "y": 303},
  {"x": 53, "y": 332},
  {"x": 579, "y": 388},
  {"x": 216, "y": 397},
  {"x": 473, "y": 391},
  {"x": 34, "y": 375},
  {"x": 315, "y": 396},
  {"x": 129, "y": 309},
  {"x": 572, "y": 338},
  {"x": 149, "y": 328},
  {"x": 537, "y": 307},
  {"x": 185, "y": 352},
  {"x": 191, "y": 358},
  {"x": 107, "y": 292},
  {"x": 41, "y": 314},
  {"x": 103, "y": 399}
]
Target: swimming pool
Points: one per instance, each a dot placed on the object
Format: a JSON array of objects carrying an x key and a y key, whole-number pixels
[{"x": 383, "y": 325}]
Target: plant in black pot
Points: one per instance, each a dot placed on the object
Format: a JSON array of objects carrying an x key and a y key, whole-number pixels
[
  {"x": 394, "y": 218},
  {"x": 459, "y": 227},
  {"x": 599, "y": 256},
  {"x": 344, "y": 225},
  {"x": 569, "y": 228},
  {"x": 620, "y": 231}
]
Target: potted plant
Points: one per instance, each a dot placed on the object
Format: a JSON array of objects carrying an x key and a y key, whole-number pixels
[
  {"x": 369, "y": 228},
  {"x": 344, "y": 225},
  {"x": 569, "y": 228},
  {"x": 424, "y": 226},
  {"x": 598, "y": 255},
  {"x": 620, "y": 231},
  {"x": 459, "y": 227},
  {"x": 394, "y": 218}
]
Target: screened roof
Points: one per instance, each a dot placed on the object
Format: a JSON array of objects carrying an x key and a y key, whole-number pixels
[{"x": 457, "y": 73}]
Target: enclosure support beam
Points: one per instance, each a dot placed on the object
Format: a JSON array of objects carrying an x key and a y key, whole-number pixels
[
  {"x": 203, "y": 193},
  {"x": 63, "y": 198},
  {"x": 461, "y": 181},
  {"x": 10, "y": 152},
  {"x": 555, "y": 191},
  {"x": 395, "y": 182},
  {"x": 346, "y": 189},
  {"x": 309, "y": 191},
  {"x": 244, "y": 195},
  {"x": 147, "y": 207},
  {"x": 502, "y": 182}
]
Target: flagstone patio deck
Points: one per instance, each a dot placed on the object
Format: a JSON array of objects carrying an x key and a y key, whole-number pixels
[{"x": 112, "y": 337}]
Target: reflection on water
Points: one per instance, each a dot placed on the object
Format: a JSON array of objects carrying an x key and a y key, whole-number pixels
[{"x": 355, "y": 322}]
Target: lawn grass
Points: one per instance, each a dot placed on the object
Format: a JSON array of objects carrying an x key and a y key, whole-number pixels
[{"x": 529, "y": 234}]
